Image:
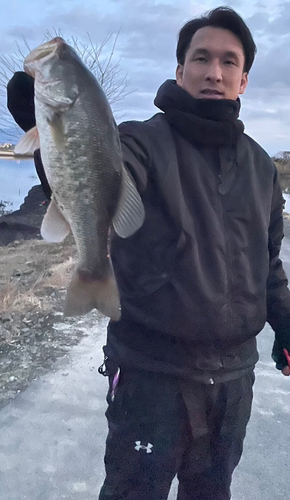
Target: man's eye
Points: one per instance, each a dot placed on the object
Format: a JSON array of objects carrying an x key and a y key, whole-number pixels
[
  {"x": 200, "y": 59},
  {"x": 230, "y": 62}
]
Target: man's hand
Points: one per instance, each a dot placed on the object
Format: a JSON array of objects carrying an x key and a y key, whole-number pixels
[
  {"x": 20, "y": 99},
  {"x": 280, "y": 354},
  {"x": 286, "y": 371}
]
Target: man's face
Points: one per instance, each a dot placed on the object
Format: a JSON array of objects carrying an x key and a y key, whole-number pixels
[{"x": 213, "y": 66}]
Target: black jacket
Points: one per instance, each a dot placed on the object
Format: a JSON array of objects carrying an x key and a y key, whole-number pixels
[{"x": 202, "y": 275}]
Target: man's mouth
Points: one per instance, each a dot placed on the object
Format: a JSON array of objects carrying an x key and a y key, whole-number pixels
[{"x": 212, "y": 93}]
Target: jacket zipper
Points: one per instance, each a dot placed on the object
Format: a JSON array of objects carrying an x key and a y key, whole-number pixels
[{"x": 229, "y": 259}]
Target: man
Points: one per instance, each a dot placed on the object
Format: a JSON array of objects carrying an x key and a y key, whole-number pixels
[{"x": 197, "y": 282}]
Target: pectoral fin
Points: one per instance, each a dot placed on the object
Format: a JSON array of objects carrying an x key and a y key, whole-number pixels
[
  {"x": 130, "y": 213},
  {"x": 28, "y": 143},
  {"x": 54, "y": 227},
  {"x": 57, "y": 131}
]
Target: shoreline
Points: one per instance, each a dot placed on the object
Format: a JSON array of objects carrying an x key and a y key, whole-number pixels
[
  {"x": 7, "y": 153},
  {"x": 11, "y": 154}
]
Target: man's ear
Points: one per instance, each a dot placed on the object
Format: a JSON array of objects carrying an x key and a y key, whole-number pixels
[
  {"x": 179, "y": 74},
  {"x": 244, "y": 83}
]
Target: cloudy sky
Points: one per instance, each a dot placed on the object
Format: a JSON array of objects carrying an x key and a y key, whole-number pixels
[{"x": 146, "y": 44}]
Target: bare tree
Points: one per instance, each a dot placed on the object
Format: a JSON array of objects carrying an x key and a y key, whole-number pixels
[
  {"x": 284, "y": 156},
  {"x": 99, "y": 58}
]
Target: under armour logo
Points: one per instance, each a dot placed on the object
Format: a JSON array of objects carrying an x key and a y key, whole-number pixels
[{"x": 140, "y": 446}]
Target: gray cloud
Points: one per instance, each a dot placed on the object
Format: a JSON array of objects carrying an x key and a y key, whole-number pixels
[
  {"x": 253, "y": 113},
  {"x": 281, "y": 24},
  {"x": 9, "y": 39},
  {"x": 16, "y": 32},
  {"x": 145, "y": 30},
  {"x": 260, "y": 5},
  {"x": 269, "y": 79},
  {"x": 271, "y": 25},
  {"x": 258, "y": 22},
  {"x": 146, "y": 43},
  {"x": 272, "y": 68},
  {"x": 137, "y": 106}
]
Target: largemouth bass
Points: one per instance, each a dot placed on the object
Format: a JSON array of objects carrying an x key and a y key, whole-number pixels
[{"x": 81, "y": 153}]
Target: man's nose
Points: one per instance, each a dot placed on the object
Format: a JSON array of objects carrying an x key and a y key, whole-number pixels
[{"x": 214, "y": 71}]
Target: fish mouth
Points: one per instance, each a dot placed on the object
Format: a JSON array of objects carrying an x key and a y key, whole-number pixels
[{"x": 42, "y": 53}]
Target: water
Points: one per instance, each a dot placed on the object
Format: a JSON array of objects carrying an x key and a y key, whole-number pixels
[{"x": 16, "y": 178}]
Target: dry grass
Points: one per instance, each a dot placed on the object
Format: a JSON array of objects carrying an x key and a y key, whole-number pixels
[
  {"x": 282, "y": 165},
  {"x": 283, "y": 169},
  {"x": 12, "y": 299},
  {"x": 30, "y": 271},
  {"x": 23, "y": 297},
  {"x": 59, "y": 274}
]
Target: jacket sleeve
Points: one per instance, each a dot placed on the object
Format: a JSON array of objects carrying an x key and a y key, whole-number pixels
[
  {"x": 278, "y": 294},
  {"x": 20, "y": 103},
  {"x": 135, "y": 153}
]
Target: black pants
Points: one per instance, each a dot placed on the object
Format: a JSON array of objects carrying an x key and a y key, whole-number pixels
[{"x": 158, "y": 429}]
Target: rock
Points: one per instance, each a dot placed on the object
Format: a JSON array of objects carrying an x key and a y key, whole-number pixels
[
  {"x": 29, "y": 271},
  {"x": 5, "y": 335},
  {"x": 27, "y": 321},
  {"x": 24, "y": 224},
  {"x": 16, "y": 273},
  {"x": 6, "y": 317}
]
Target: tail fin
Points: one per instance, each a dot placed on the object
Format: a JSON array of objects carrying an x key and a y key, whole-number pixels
[{"x": 83, "y": 295}]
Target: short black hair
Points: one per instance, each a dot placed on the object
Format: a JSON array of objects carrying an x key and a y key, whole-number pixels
[{"x": 221, "y": 17}]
